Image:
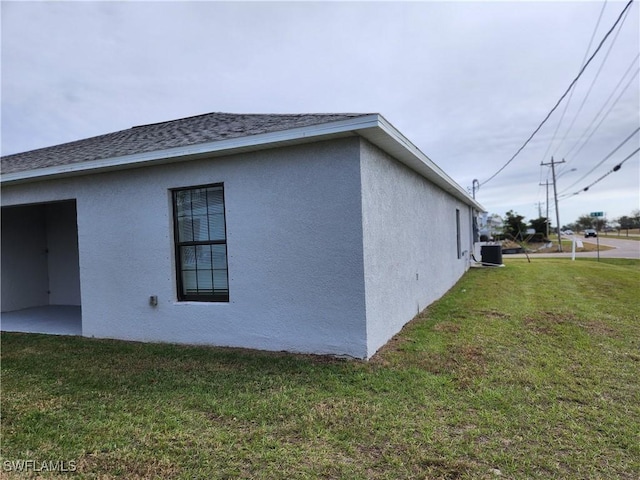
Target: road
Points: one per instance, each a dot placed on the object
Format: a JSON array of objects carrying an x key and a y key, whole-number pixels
[{"x": 621, "y": 249}]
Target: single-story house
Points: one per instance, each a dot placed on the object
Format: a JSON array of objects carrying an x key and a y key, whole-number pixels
[{"x": 315, "y": 233}]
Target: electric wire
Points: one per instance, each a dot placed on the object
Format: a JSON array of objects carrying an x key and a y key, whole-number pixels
[
  {"x": 604, "y": 105},
  {"x": 589, "y": 90},
  {"x": 562, "y": 97},
  {"x": 614, "y": 169},
  {"x": 573, "y": 90},
  {"x": 603, "y": 160},
  {"x": 584, "y": 144}
]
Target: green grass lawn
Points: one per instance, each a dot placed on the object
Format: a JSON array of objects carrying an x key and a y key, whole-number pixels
[
  {"x": 526, "y": 371},
  {"x": 635, "y": 236},
  {"x": 588, "y": 245}
]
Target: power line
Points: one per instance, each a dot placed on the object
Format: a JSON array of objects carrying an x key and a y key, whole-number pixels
[
  {"x": 593, "y": 82},
  {"x": 573, "y": 90},
  {"x": 615, "y": 102},
  {"x": 603, "y": 160},
  {"x": 573, "y": 82},
  {"x": 614, "y": 169}
]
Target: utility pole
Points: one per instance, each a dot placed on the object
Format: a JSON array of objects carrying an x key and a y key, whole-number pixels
[
  {"x": 475, "y": 186},
  {"x": 547, "y": 217},
  {"x": 555, "y": 196}
]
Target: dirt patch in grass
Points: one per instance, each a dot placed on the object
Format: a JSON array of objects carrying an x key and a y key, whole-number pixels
[
  {"x": 598, "y": 327},
  {"x": 424, "y": 463},
  {"x": 464, "y": 362},
  {"x": 383, "y": 356},
  {"x": 545, "y": 322},
  {"x": 132, "y": 468},
  {"x": 446, "y": 327},
  {"x": 394, "y": 346},
  {"x": 494, "y": 314},
  {"x": 469, "y": 362},
  {"x": 445, "y": 469}
]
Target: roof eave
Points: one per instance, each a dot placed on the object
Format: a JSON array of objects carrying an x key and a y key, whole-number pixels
[
  {"x": 191, "y": 152},
  {"x": 375, "y": 128},
  {"x": 389, "y": 139}
]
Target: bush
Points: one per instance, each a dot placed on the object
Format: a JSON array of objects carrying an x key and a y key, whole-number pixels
[{"x": 538, "y": 238}]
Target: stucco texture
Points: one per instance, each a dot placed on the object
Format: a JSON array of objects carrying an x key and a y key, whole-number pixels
[
  {"x": 332, "y": 247},
  {"x": 294, "y": 242},
  {"x": 409, "y": 243}
]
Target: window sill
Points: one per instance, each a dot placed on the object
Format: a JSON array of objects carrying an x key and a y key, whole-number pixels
[{"x": 197, "y": 302}]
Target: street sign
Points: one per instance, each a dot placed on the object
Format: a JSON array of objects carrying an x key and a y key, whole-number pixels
[{"x": 596, "y": 214}]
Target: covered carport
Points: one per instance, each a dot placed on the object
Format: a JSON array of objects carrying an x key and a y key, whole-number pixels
[{"x": 40, "y": 280}]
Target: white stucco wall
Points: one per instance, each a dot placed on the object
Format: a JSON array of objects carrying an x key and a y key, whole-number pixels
[
  {"x": 409, "y": 238},
  {"x": 294, "y": 239},
  {"x": 62, "y": 245},
  {"x": 24, "y": 276},
  {"x": 332, "y": 248}
]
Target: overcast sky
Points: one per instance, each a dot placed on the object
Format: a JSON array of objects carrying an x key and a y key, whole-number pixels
[{"x": 466, "y": 82}]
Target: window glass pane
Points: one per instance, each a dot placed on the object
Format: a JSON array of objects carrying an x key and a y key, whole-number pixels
[
  {"x": 216, "y": 227},
  {"x": 219, "y": 256},
  {"x": 220, "y": 281},
  {"x": 188, "y": 258},
  {"x": 199, "y": 201},
  {"x": 203, "y": 255},
  {"x": 185, "y": 230},
  {"x": 183, "y": 202},
  {"x": 189, "y": 282},
  {"x": 215, "y": 200},
  {"x": 205, "y": 282},
  {"x": 200, "y": 228}
]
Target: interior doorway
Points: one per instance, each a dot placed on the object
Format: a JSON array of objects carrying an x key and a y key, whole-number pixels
[{"x": 40, "y": 280}]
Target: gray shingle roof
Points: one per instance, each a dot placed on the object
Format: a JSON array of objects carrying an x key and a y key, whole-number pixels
[{"x": 160, "y": 136}]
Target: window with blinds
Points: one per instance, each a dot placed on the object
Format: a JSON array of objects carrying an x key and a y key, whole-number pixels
[{"x": 201, "y": 244}]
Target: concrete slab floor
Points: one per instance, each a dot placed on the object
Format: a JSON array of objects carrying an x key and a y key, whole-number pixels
[{"x": 51, "y": 319}]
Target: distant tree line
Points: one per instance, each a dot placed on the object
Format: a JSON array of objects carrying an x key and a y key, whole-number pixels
[
  {"x": 629, "y": 222},
  {"x": 514, "y": 227},
  {"x": 625, "y": 222}
]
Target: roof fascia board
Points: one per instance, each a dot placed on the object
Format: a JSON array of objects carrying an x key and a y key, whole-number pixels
[
  {"x": 368, "y": 126},
  {"x": 219, "y": 147},
  {"x": 415, "y": 159}
]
